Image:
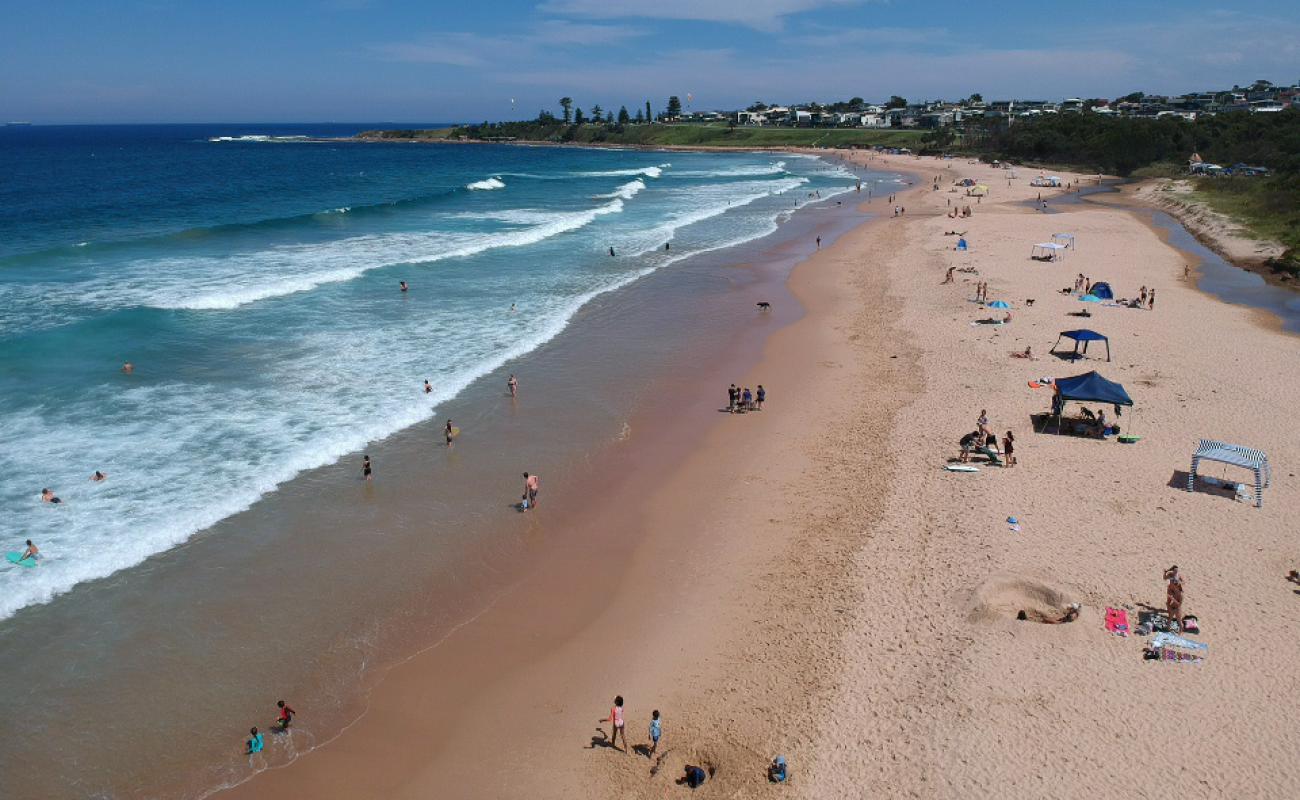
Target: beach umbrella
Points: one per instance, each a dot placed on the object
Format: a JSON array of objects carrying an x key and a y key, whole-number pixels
[
  {"x": 1090, "y": 298},
  {"x": 999, "y": 304}
]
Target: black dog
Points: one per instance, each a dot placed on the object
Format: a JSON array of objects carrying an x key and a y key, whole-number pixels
[{"x": 764, "y": 306}]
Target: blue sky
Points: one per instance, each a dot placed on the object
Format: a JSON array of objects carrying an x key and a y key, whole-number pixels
[{"x": 377, "y": 60}]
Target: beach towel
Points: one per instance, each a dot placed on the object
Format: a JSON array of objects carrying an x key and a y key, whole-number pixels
[
  {"x": 1117, "y": 621},
  {"x": 1163, "y": 639},
  {"x": 1167, "y": 654}
]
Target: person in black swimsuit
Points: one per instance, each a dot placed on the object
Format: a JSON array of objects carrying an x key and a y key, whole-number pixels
[{"x": 365, "y": 467}]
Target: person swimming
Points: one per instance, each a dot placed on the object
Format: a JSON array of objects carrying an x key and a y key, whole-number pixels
[
  {"x": 31, "y": 552},
  {"x": 98, "y": 476},
  {"x": 428, "y": 389},
  {"x": 404, "y": 286},
  {"x": 48, "y": 496},
  {"x": 128, "y": 368}
]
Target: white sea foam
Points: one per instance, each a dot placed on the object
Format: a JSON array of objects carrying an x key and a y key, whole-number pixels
[
  {"x": 649, "y": 172},
  {"x": 747, "y": 170},
  {"x": 626, "y": 192},
  {"x": 215, "y": 449},
  {"x": 257, "y": 137},
  {"x": 486, "y": 185}
]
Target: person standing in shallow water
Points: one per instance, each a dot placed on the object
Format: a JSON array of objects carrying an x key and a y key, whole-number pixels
[
  {"x": 449, "y": 433},
  {"x": 514, "y": 385},
  {"x": 365, "y": 467}
]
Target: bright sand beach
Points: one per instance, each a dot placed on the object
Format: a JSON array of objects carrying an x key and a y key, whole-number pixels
[{"x": 810, "y": 581}]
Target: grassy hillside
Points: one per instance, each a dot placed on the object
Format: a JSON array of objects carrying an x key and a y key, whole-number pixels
[{"x": 666, "y": 135}]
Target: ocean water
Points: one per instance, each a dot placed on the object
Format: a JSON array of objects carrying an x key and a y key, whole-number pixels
[{"x": 251, "y": 276}]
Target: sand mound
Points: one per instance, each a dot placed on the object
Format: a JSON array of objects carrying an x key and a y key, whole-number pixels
[{"x": 1005, "y": 596}]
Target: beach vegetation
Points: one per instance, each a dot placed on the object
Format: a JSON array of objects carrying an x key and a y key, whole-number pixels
[
  {"x": 896, "y": 102},
  {"x": 674, "y": 109},
  {"x": 623, "y": 117},
  {"x": 649, "y": 115},
  {"x": 566, "y": 103}
]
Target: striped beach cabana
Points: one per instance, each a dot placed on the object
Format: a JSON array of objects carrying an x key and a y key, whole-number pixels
[{"x": 1237, "y": 456}]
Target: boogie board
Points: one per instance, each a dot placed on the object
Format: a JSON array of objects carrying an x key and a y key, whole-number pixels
[
  {"x": 961, "y": 468},
  {"x": 13, "y": 558},
  {"x": 455, "y": 431}
]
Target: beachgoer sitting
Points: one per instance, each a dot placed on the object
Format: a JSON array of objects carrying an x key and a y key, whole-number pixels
[
  {"x": 694, "y": 776},
  {"x": 1028, "y": 353},
  {"x": 777, "y": 771}
]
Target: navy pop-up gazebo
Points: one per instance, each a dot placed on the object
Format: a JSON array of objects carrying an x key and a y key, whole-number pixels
[
  {"x": 1087, "y": 388},
  {"x": 1083, "y": 336}
]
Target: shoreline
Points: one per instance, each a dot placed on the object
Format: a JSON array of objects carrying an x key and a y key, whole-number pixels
[{"x": 326, "y": 771}]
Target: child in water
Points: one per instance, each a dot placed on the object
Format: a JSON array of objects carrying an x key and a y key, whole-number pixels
[
  {"x": 286, "y": 715},
  {"x": 255, "y": 742}
]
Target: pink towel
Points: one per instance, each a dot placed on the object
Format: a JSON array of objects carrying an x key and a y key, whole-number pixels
[{"x": 1117, "y": 621}]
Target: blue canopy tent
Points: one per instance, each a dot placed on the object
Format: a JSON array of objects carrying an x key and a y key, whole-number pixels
[
  {"x": 1083, "y": 335},
  {"x": 1087, "y": 388},
  {"x": 1102, "y": 290}
]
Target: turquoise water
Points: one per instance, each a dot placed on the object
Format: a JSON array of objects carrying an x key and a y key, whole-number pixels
[{"x": 251, "y": 278}]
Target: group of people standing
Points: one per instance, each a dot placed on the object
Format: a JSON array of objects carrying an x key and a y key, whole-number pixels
[
  {"x": 984, "y": 441},
  {"x": 742, "y": 400}
]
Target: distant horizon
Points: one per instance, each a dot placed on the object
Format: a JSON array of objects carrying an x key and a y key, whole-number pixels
[{"x": 138, "y": 62}]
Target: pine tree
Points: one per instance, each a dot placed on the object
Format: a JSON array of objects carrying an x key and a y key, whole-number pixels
[
  {"x": 566, "y": 103},
  {"x": 622, "y": 115},
  {"x": 649, "y": 115},
  {"x": 674, "y": 107}
]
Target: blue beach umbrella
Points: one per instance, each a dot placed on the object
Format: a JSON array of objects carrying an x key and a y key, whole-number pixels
[
  {"x": 1090, "y": 298},
  {"x": 999, "y": 304}
]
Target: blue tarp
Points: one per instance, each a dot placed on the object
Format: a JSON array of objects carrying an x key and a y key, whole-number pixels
[
  {"x": 1092, "y": 388},
  {"x": 1103, "y": 291}
]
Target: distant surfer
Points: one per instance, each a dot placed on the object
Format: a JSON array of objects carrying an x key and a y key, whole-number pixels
[
  {"x": 31, "y": 552},
  {"x": 286, "y": 715},
  {"x": 365, "y": 467},
  {"x": 668, "y": 245},
  {"x": 98, "y": 476},
  {"x": 128, "y": 368},
  {"x": 611, "y": 252},
  {"x": 449, "y": 432},
  {"x": 255, "y": 743},
  {"x": 428, "y": 389},
  {"x": 48, "y": 496},
  {"x": 531, "y": 487},
  {"x": 512, "y": 308},
  {"x": 514, "y": 386},
  {"x": 404, "y": 286}
]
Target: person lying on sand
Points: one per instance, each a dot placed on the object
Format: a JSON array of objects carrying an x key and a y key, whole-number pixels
[{"x": 1028, "y": 353}]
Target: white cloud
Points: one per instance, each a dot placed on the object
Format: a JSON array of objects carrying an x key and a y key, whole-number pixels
[{"x": 761, "y": 14}]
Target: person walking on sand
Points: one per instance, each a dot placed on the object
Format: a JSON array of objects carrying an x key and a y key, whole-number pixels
[
  {"x": 1009, "y": 449},
  {"x": 760, "y": 397},
  {"x": 747, "y": 399},
  {"x": 983, "y": 421},
  {"x": 656, "y": 730},
  {"x": 1151, "y": 300},
  {"x": 286, "y": 715},
  {"x": 366, "y": 472},
  {"x": 948, "y": 277},
  {"x": 819, "y": 242},
  {"x": 615, "y": 719},
  {"x": 733, "y": 397},
  {"x": 513, "y": 383},
  {"x": 449, "y": 433},
  {"x": 531, "y": 487}
]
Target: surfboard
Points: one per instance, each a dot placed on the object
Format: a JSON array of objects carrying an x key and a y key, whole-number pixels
[
  {"x": 961, "y": 468},
  {"x": 13, "y": 558},
  {"x": 455, "y": 431}
]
